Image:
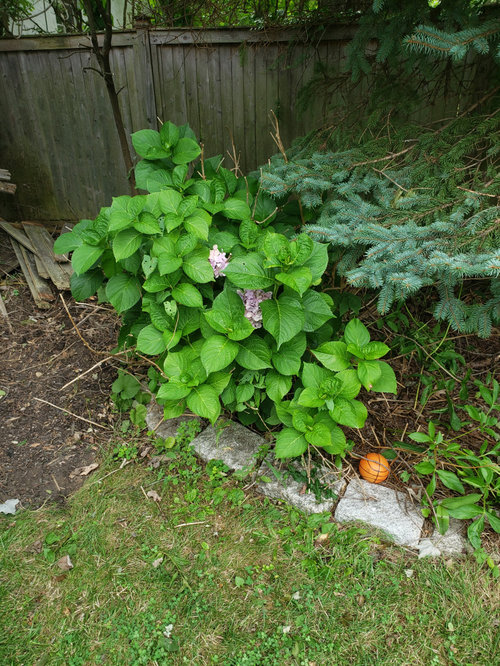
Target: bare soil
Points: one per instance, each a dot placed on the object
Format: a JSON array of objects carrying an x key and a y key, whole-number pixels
[{"x": 41, "y": 445}]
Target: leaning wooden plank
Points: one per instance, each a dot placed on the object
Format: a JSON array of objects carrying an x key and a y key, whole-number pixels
[
  {"x": 40, "y": 289},
  {"x": 5, "y": 314},
  {"x": 9, "y": 188},
  {"x": 40, "y": 268},
  {"x": 42, "y": 240},
  {"x": 17, "y": 235}
]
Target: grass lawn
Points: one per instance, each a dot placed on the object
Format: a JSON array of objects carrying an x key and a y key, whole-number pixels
[{"x": 214, "y": 574}]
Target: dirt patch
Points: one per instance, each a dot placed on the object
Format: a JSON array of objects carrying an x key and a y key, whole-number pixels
[{"x": 40, "y": 445}]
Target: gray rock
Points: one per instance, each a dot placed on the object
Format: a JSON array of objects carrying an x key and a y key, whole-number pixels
[
  {"x": 168, "y": 428},
  {"x": 383, "y": 508},
  {"x": 292, "y": 491},
  {"x": 9, "y": 506},
  {"x": 453, "y": 543},
  {"x": 234, "y": 444}
]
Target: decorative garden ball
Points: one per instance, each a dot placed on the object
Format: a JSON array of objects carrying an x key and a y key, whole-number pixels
[{"x": 374, "y": 468}]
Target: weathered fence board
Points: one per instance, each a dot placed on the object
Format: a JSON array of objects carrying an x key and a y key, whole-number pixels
[{"x": 58, "y": 138}]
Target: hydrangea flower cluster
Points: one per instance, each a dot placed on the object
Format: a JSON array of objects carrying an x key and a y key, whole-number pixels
[
  {"x": 251, "y": 299},
  {"x": 218, "y": 260}
]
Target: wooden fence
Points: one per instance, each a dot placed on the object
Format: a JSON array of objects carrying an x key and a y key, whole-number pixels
[{"x": 57, "y": 135}]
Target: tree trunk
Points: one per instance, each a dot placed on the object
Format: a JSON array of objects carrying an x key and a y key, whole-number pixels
[{"x": 102, "y": 54}]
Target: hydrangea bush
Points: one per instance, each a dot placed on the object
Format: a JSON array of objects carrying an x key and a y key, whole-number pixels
[{"x": 211, "y": 279}]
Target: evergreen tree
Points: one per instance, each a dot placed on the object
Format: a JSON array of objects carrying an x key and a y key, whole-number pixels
[{"x": 416, "y": 210}]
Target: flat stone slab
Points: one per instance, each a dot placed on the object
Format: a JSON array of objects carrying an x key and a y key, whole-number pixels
[
  {"x": 167, "y": 428},
  {"x": 451, "y": 544},
  {"x": 234, "y": 444},
  {"x": 291, "y": 491},
  {"x": 383, "y": 508}
]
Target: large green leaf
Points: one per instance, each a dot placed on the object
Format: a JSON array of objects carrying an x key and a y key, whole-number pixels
[
  {"x": 248, "y": 272},
  {"x": 374, "y": 350},
  {"x": 288, "y": 359},
  {"x": 310, "y": 397},
  {"x": 356, "y": 333},
  {"x": 150, "y": 341},
  {"x": 155, "y": 283},
  {"x": 350, "y": 413},
  {"x": 147, "y": 143},
  {"x": 319, "y": 435},
  {"x": 317, "y": 262},
  {"x": 290, "y": 443},
  {"x": 197, "y": 267},
  {"x": 333, "y": 355},
  {"x": 173, "y": 391},
  {"x": 187, "y": 295},
  {"x": 254, "y": 354},
  {"x": 198, "y": 224},
  {"x": 147, "y": 224},
  {"x": 204, "y": 401},
  {"x": 350, "y": 385},
  {"x": 126, "y": 243},
  {"x": 169, "y": 201},
  {"x": 84, "y": 257},
  {"x": 152, "y": 176},
  {"x": 316, "y": 310},
  {"x": 386, "y": 383},
  {"x": 123, "y": 291},
  {"x": 283, "y": 318},
  {"x": 169, "y": 134},
  {"x": 160, "y": 318},
  {"x": 227, "y": 316},
  {"x": 84, "y": 286},
  {"x": 313, "y": 375},
  {"x": 302, "y": 248},
  {"x": 218, "y": 352},
  {"x": 67, "y": 243},
  {"x": 185, "y": 151},
  {"x": 236, "y": 209},
  {"x": 298, "y": 279},
  {"x": 277, "y": 386},
  {"x": 219, "y": 381},
  {"x": 368, "y": 373},
  {"x": 168, "y": 263},
  {"x": 286, "y": 362}
]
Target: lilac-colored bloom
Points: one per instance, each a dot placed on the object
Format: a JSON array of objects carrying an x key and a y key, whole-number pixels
[
  {"x": 218, "y": 260},
  {"x": 251, "y": 299}
]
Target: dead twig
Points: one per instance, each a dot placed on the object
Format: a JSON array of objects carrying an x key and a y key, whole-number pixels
[
  {"x": 86, "y": 372},
  {"x": 66, "y": 411}
]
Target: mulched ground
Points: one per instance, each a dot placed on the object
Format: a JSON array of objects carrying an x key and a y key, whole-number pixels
[{"x": 40, "y": 445}]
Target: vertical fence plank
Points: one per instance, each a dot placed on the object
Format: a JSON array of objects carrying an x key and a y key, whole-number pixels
[{"x": 59, "y": 139}]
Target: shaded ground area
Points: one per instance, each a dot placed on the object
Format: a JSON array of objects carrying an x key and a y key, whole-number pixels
[{"x": 40, "y": 445}]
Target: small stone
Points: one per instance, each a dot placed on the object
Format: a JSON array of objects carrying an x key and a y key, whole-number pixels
[
  {"x": 162, "y": 428},
  {"x": 283, "y": 486},
  {"x": 234, "y": 444},
  {"x": 383, "y": 508},
  {"x": 453, "y": 543},
  {"x": 9, "y": 506},
  {"x": 427, "y": 549}
]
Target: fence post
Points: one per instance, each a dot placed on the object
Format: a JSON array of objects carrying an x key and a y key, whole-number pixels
[{"x": 144, "y": 70}]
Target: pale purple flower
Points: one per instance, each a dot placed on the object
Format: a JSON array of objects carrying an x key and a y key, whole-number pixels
[
  {"x": 218, "y": 260},
  {"x": 251, "y": 299}
]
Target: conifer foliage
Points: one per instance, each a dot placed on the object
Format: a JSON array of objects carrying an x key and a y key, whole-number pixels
[{"x": 418, "y": 209}]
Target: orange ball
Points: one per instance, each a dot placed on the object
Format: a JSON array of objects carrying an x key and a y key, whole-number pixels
[{"x": 374, "y": 468}]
